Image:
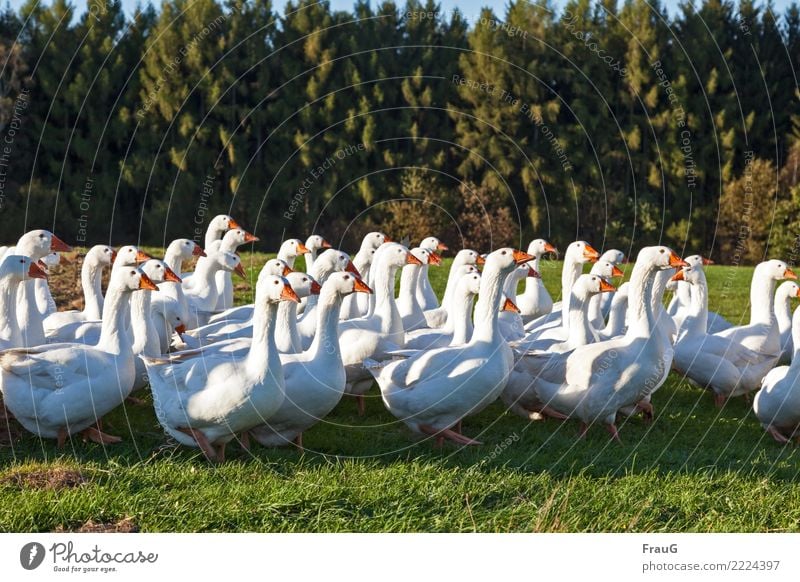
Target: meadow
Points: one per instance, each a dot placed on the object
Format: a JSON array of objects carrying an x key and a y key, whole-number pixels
[{"x": 695, "y": 468}]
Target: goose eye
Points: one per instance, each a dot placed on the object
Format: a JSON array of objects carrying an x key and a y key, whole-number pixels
[
  {"x": 275, "y": 282},
  {"x": 347, "y": 277},
  {"x": 503, "y": 253},
  {"x": 133, "y": 272},
  {"x": 661, "y": 251},
  {"x": 41, "y": 236},
  {"x": 22, "y": 260}
]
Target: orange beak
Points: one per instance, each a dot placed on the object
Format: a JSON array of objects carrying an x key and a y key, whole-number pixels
[
  {"x": 412, "y": 260},
  {"x": 387, "y": 239},
  {"x": 707, "y": 261},
  {"x": 315, "y": 288},
  {"x": 480, "y": 260},
  {"x": 181, "y": 329},
  {"x": 288, "y": 294},
  {"x": 250, "y": 237},
  {"x": 239, "y": 270},
  {"x": 302, "y": 249},
  {"x": 533, "y": 273},
  {"x": 351, "y": 268},
  {"x": 789, "y": 274},
  {"x": 798, "y": 293},
  {"x": 361, "y": 287},
  {"x": 606, "y": 286},
  {"x": 58, "y": 245},
  {"x": 676, "y": 261},
  {"x": 522, "y": 257},
  {"x": 36, "y": 272},
  {"x": 548, "y": 248},
  {"x": 287, "y": 269},
  {"x": 434, "y": 259},
  {"x": 113, "y": 255},
  {"x": 617, "y": 272},
  {"x": 590, "y": 253},
  {"x": 233, "y": 224},
  {"x": 147, "y": 283},
  {"x": 678, "y": 276},
  {"x": 169, "y": 275},
  {"x": 508, "y": 305},
  {"x": 141, "y": 257},
  {"x": 326, "y": 244},
  {"x": 442, "y": 247},
  {"x": 198, "y": 251}
]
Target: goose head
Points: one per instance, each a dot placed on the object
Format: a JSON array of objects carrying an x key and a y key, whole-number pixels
[
  {"x": 332, "y": 260},
  {"x": 374, "y": 239},
  {"x": 523, "y": 271},
  {"x": 691, "y": 273},
  {"x": 698, "y": 260},
  {"x": 433, "y": 244},
  {"x": 773, "y": 270},
  {"x": 303, "y": 284},
  {"x": 236, "y": 237},
  {"x": 130, "y": 255},
  {"x": 101, "y": 255},
  {"x": 395, "y": 255},
  {"x": 40, "y": 243},
  {"x": 129, "y": 279},
  {"x": 507, "y": 259},
  {"x": 229, "y": 262},
  {"x": 581, "y": 252},
  {"x": 272, "y": 289},
  {"x": 589, "y": 285},
  {"x": 540, "y": 247},
  {"x": 660, "y": 257},
  {"x": 292, "y": 248},
  {"x": 20, "y": 268},
  {"x": 426, "y": 257},
  {"x": 275, "y": 267},
  {"x": 159, "y": 272},
  {"x": 344, "y": 283},
  {"x": 185, "y": 249},
  {"x": 613, "y": 256},
  {"x": 222, "y": 223},
  {"x": 469, "y": 283},
  {"x": 787, "y": 290},
  {"x": 316, "y": 243},
  {"x": 468, "y": 257},
  {"x": 606, "y": 269}
]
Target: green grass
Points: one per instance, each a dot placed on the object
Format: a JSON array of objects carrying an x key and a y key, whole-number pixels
[{"x": 695, "y": 468}]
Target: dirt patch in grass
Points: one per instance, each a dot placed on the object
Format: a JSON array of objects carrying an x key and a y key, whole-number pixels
[
  {"x": 54, "y": 478},
  {"x": 124, "y": 525}
]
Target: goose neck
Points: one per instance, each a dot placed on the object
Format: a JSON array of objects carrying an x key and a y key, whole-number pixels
[
  {"x": 488, "y": 307},
  {"x": 325, "y": 345},
  {"x": 263, "y": 353},
  {"x": 114, "y": 335},
  {"x": 91, "y": 279},
  {"x": 580, "y": 329},
  {"x": 762, "y": 299},
  {"x": 460, "y": 321},
  {"x": 533, "y": 284},
  {"x": 287, "y": 337}
]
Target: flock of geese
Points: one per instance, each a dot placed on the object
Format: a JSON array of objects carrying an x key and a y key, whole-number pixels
[{"x": 271, "y": 370}]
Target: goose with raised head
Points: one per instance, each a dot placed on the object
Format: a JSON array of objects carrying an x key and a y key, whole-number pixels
[
  {"x": 465, "y": 257},
  {"x": 96, "y": 259},
  {"x": 314, "y": 379},
  {"x": 600, "y": 305},
  {"x": 290, "y": 249},
  {"x": 617, "y": 314},
  {"x": 230, "y": 242},
  {"x": 425, "y": 295},
  {"x": 205, "y": 400},
  {"x": 721, "y": 364},
  {"x": 201, "y": 291},
  {"x": 178, "y": 252},
  {"x": 217, "y": 228},
  {"x": 511, "y": 324},
  {"x": 63, "y": 389},
  {"x": 787, "y": 291},
  {"x": 44, "y": 299},
  {"x": 315, "y": 243},
  {"x": 14, "y": 269},
  {"x": 358, "y": 304},
  {"x": 777, "y": 404},
  {"x": 597, "y": 380},
  {"x": 434, "y": 390},
  {"x": 408, "y": 301},
  {"x": 35, "y": 244},
  {"x": 577, "y": 254},
  {"x": 535, "y": 301}
]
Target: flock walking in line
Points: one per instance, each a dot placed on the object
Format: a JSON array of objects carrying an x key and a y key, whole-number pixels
[{"x": 269, "y": 371}]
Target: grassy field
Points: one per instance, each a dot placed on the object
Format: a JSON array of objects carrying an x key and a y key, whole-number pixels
[{"x": 695, "y": 468}]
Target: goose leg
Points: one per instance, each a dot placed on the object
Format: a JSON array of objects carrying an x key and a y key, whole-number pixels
[
  {"x": 583, "y": 430},
  {"x": 362, "y": 405},
  {"x": 244, "y": 440},
  {"x": 5, "y": 413},
  {"x": 612, "y": 429},
  {"x": 298, "y": 440},
  {"x": 96, "y": 435},
  {"x": 777, "y": 435},
  {"x": 458, "y": 427},
  {"x": 61, "y": 438},
  {"x": 135, "y": 401},
  {"x": 647, "y": 411},
  {"x": 221, "y": 452},
  {"x": 719, "y": 400},
  {"x": 202, "y": 442},
  {"x": 549, "y": 412},
  {"x": 448, "y": 434}
]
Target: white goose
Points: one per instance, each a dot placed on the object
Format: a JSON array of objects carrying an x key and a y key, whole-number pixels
[
  {"x": 599, "y": 379},
  {"x": 783, "y": 315},
  {"x": 465, "y": 257},
  {"x": 44, "y": 299},
  {"x": 204, "y": 400},
  {"x": 290, "y": 250},
  {"x": 59, "y": 390},
  {"x": 97, "y": 258},
  {"x": 314, "y": 379},
  {"x": 777, "y": 404},
  {"x": 357, "y": 305},
  {"x": 425, "y": 295},
  {"x": 435, "y": 390},
  {"x": 535, "y": 301},
  {"x": 617, "y": 314},
  {"x": 408, "y": 301},
  {"x": 230, "y": 242},
  {"x": 511, "y": 323},
  {"x": 315, "y": 243},
  {"x": 14, "y": 269},
  {"x": 201, "y": 291},
  {"x": 711, "y": 361},
  {"x": 178, "y": 252},
  {"x": 600, "y": 305}
]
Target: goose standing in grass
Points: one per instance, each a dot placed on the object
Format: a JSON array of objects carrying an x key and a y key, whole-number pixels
[
  {"x": 535, "y": 301},
  {"x": 408, "y": 301},
  {"x": 205, "y": 400},
  {"x": 425, "y": 295},
  {"x": 97, "y": 258},
  {"x": 433, "y": 391},
  {"x": 711, "y": 361},
  {"x": 777, "y": 404},
  {"x": 787, "y": 291},
  {"x": 59, "y": 390},
  {"x": 314, "y": 379},
  {"x": 465, "y": 257}
]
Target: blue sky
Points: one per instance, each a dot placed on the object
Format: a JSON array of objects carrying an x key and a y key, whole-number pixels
[{"x": 469, "y": 8}]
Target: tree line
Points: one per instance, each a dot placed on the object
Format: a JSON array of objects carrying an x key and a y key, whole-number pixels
[{"x": 613, "y": 122}]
